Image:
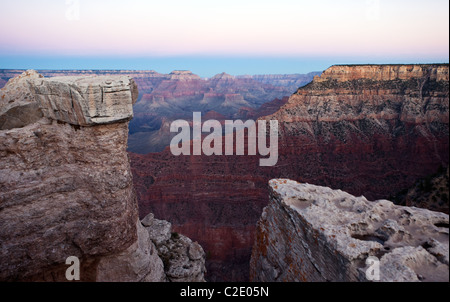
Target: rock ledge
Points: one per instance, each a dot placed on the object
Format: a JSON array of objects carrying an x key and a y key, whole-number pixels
[{"x": 312, "y": 233}]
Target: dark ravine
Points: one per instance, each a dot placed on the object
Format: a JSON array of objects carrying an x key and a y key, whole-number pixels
[
  {"x": 368, "y": 130},
  {"x": 430, "y": 192}
]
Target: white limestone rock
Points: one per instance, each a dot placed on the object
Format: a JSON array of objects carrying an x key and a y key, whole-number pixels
[
  {"x": 312, "y": 233},
  {"x": 87, "y": 100}
]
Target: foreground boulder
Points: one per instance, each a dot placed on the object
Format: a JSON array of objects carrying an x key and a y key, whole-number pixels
[
  {"x": 312, "y": 233},
  {"x": 65, "y": 182}
]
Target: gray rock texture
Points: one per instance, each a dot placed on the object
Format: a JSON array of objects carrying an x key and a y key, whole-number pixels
[
  {"x": 18, "y": 107},
  {"x": 140, "y": 262},
  {"x": 88, "y": 100},
  {"x": 312, "y": 233},
  {"x": 184, "y": 260}
]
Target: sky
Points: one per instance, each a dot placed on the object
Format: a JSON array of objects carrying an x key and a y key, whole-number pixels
[{"x": 213, "y": 36}]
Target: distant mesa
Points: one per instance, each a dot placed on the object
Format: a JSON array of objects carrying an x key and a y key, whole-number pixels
[
  {"x": 342, "y": 73},
  {"x": 223, "y": 76},
  {"x": 183, "y": 75}
]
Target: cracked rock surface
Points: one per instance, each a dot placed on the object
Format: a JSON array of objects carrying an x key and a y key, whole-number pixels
[{"x": 312, "y": 233}]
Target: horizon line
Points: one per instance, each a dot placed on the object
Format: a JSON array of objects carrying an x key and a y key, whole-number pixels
[{"x": 174, "y": 70}]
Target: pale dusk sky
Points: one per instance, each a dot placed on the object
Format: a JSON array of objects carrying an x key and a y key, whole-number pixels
[{"x": 244, "y": 36}]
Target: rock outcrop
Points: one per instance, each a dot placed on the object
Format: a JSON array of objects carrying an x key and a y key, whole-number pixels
[
  {"x": 312, "y": 233},
  {"x": 65, "y": 182},
  {"x": 86, "y": 101},
  {"x": 362, "y": 136},
  {"x": 184, "y": 260}
]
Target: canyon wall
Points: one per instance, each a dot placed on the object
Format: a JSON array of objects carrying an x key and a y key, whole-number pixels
[
  {"x": 311, "y": 233},
  {"x": 365, "y": 136},
  {"x": 344, "y": 73},
  {"x": 66, "y": 187},
  {"x": 183, "y": 93},
  {"x": 369, "y": 136}
]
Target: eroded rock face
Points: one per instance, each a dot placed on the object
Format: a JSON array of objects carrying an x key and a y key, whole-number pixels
[
  {"x": 65, "y": 190},
  {"x": 312, "y": 233},
  {"x": 139, "y": 263},
  {"x": 86, "y": 101},
  {"x": 65, "y": 182},
  {"x": 430, "y": 192},
  {"x": 344, "y": 73},
  {"x": 18, "y": 107}
]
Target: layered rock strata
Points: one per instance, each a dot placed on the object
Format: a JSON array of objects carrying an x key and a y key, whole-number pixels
[
  {"x": 312, "y": 233},
  {"x": 344, "y": 73},
  {"x": 65, "y": 182}
]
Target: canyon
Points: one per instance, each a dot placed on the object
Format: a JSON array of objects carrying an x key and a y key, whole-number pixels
[
  {"x": 66, "y": 187},
  {"x": 70, "y": 188},
  {"x": 370, "y": 130}
]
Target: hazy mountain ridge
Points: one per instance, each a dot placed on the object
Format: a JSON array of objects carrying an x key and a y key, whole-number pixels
[{"x": 166, "y": 97}]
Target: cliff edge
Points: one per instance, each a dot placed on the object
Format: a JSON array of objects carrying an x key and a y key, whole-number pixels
[{"x": 66, "y": 185}]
